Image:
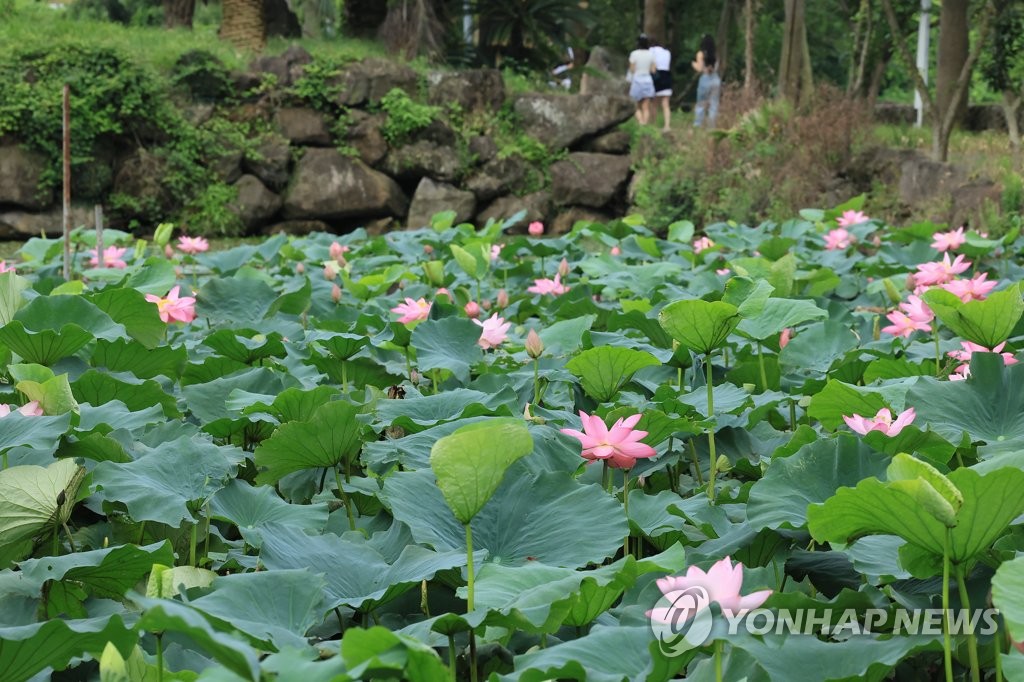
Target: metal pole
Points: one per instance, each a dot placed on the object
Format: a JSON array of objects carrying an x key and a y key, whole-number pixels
[
  {"x": 923, "y": 34},
  {"x": 67, "y": 182},
  {"x": 98, "y": 212},
  {"x": 467, "y": 23}
]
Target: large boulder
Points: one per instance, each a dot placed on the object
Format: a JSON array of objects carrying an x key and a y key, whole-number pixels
[
  {"x": 603, "y": 74},
  {"x": 586, "y": 179},
  {"x": 498, "y": 177},
  {"x": 538, "y": 206},
  {"x": 434, "y": 197},
  {"x": 474, "y": 90},
  {"x": 422, "y": 159},
  {"x": 256, "y": 204},
  {"x": 972, "y": 201},
  {"x": 287, "y": 67},
  {"x": 614, "y": 142},
  {"x": 142, "y": 177},
  {"x": 20, "y": 173},
  {"x": 328, "y": 186},
  {"x": 297, "y": 227},
  {"x": 922, "y": 179},
  {"x": 17, "y": 224},
  {"x": 367, "y": 81},
  {"x": 561, "y": 121},
  {"x": 366, "y": 138},
  {"x": 303, "y": 126},
  {"x": 482, "y": 148},
  {"x": 269, "y": 162},
  {"x": 568, "y": 217}
]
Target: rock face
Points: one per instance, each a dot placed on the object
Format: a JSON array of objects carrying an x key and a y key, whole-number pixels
[
  {"x": 329, "y": 186},
  {"x": 303, "y": 126},
  {"x": 561, "y": 121},
  {"x": 498, "y": 177},
  {"x": 22, "y": 224},
  {"x": 366, "y": 138},
  {"x": 969, "y": 203},
  {"x": 270, "y": 162},
  {"x": 366, "y": 82},
  {"x": 615, "y": 142},
  {"x": 286, "y": 67},
  {"x": 587, "y": 179},
  {"x": 474, "y": 90},
  {"x": 433, "y": 197},
  {"x": 564, "y": 221},
  {"x": 142, "y": 177},
  {"x": 603, "y": 74},
  {"x": 256, "y": 204},
  {"x": 422, "y": 159},
  {"x": 922, "y": 178},
  {"x": 20, "y": 173},
  {"x": 537, "y": 206}
]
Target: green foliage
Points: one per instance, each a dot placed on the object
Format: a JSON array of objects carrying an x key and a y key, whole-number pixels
[
  {"x": 319, "y": 86},
  {"x": 210, "y": 212},
  {"x": 405, "y": 116}
]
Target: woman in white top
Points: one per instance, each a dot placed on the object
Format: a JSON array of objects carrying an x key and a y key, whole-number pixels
[
  {"x": 662, "y": 84},
  {"x": 641, "y": 71}
]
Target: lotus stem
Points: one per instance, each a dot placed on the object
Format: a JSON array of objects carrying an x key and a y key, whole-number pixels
[
  {"x": 606, "y": 478},
  {"x": 625, "y": 505},
  {"x": 972, "y": 640},
  {"x": 792, "y": 415},
  {"x": 696, "y": 462},
  {"x": 947, "y": 649},
  {"x": 536, "y": 382},
  {"x": 5, "y": 460},
  {"x": 451, "y": 656},
  {"x": 469, "y": 569},
  {"x": 193, "y": 538},
  {"x": 160, "y": 657},
  {"x": 718, "y": 661},
  {"x": 424, "y": 605},
  {"x": 938, "y": 353},
  {"x": 711, "y": 429},
  {"x": 408, "y": 364},
  {"x": 345, "y": 499},
  {"x": 996, "y": 647},
  {"x": 341, "y": 621},
  {"x": 760, "y": 363},
  {"x": 344, "y": 375}
]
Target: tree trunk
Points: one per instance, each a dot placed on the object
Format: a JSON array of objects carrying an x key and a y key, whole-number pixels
[
  {"x": 722, "y": 38},
  {"x": 654, "y": 20},
  {"x": 794, "y": 38},
  {"x": 748, "y": 46},
  {"x": 875, "y": 85},
  {"x": 1011, "y": 109},
  {"x": 311, "y": 19},
  {"x": 178, "y": 13},
  {"x": 954, "y": 43},
  {"x": 242, "y": 24}
]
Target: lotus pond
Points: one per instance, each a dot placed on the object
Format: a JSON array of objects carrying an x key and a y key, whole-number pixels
[{"x": 461, "y": 454}]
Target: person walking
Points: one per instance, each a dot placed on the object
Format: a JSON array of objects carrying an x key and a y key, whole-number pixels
[
  {"x": 641, "y": 72},
  {"x": 709, "y": 87},
  {"x": 662, "y": 84}
]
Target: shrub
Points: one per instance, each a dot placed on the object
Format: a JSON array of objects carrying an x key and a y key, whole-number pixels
[{"x": 405, "y": 116}]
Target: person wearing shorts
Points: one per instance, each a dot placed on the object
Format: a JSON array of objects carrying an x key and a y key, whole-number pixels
[
  {"x": 641, "y": 80},
  {"x": 662, "y": 84}
]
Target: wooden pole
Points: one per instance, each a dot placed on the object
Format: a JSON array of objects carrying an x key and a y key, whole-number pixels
[
  {"x": 98, "y": 212},
  {"x": 67, "y": 182}
]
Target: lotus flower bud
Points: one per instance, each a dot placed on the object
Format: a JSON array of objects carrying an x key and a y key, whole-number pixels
[
  {"x": 428, "y": 249},
  {"x": 785, "y": 337},
  {"x": 168, "y": 251},
  {"x": 502, "y": 298},
  {"x": 616, "y": 251},
  {"x": 910, "y": 285},
  {"x": 534, "y": 346},
  {"x": 300, "y": 268},
  {"x": 536, "y": 228},
  {"x": 443, "y": 292},
  {"x": 472, "y": 309},
  {"x": 336, "y": 250},
  {"x": 336, "y": 293},
  {"x": 330, "y": 272},
  {"x": 414, "y": 377},
  {"x": 563, "y": 268}
]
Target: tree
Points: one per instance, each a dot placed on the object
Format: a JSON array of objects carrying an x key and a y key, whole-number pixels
[
  {"x": 654, "y": 20},
  {"x": 954, "y": 42},
  {"x": 1003, "y": 65},
  {"x": 178, "y": 13},
  {"x": 243, "y": 25},
  {"x": 942, "y": 120},
  {"x": 795, "y": 75},
  {"x": 413, "y": 28},
  {"x": 535, "y": 31},
  {"x": 749, "y": 8}
]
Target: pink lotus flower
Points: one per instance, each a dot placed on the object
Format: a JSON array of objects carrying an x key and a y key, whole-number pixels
[
  {"x": 882, "y": 421},
  {"x": 192, "y": 245},
  {"x": 838, "y": 239},
  {"x": 428, "y": 249},
  {"x": 620, "y": 446},
  {"x": 721, "y": 583},
  {"x": 949, "y": 241},
  {"x": 851, "y": 218},
  {"x": 917, "y": 310},
  {"x": 702, "y": 243},
  {"x": 31, "y": 409},
  {"x": 616, "y": 251},
  {"x": 4, "y": 267},
  {"x": 111, "y": 258},
  {"x": 536, "y": 228},
  {"x": 496, "y": 251},
  {"x": 784, "y": 337},
  {"x": 412, "y": 311},
  {"x": 974, "y": 289},
  {"x": 443, "y": 292},
  {"x": 939, "y": 272},
  {"x": 534, "y": 346},
  {"x": 174, "y": 308},
  {"x": 548, "y": 286},
  {"x": 723, "y": 271},
  {"x": 335, "y": 293},
  {"x": 495, "y": 331},
  {"x": 337, "y": 252},
  {"x": 472, "y": 309},
  {"x": 903, "y": 325},
  {"x": 970, "y": 348},
  {"x": 502, "y": 298}
]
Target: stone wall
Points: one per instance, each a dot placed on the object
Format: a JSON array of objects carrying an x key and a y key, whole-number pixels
[{"x": 309, "y": 173}]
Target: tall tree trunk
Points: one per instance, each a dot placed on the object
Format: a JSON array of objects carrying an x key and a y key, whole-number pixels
[
  {"x": 178, "y": 13},
  {"x": 877, "y": 73},
  {"x": 242, "y": 24},
  {"x": 794, "y": 39},
  {"x": 312, "y": 20},
  {"x": 748, "y": 46},
  {"x": 954, "y": 42},
  {"x": 1011, "y": 109},
  {"x": 722, "y": 38},
  {"x": 654, "y": 20}
]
